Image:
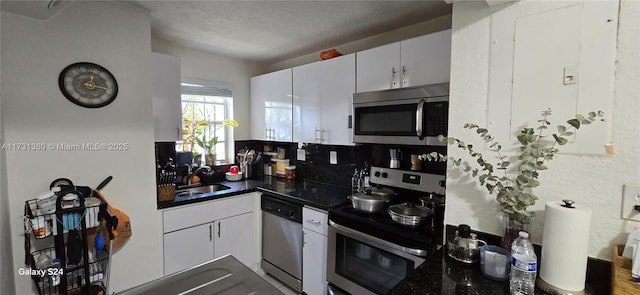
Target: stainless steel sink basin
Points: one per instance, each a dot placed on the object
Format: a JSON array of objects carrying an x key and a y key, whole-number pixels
[{"x": 201, "y": 190}]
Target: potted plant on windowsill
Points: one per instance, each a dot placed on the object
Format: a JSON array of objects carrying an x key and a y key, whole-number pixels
[
  {"x": 209, "y": 145},
  {"x": 513, "y": 188}
]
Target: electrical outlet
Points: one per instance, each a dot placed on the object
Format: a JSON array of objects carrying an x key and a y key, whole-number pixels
[
  {"x": 630, "y": 202},
  {"x": 301, "y": 155},
  {"x": 333, "y": 157}
]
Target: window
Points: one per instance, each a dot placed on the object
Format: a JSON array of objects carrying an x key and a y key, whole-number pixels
[{"x": 205, "y": 105}]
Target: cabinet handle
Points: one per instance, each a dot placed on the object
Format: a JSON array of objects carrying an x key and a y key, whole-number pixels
[
  {"x": 404, "y": 76},
  {"x": 210, "y": 233},
  {"x": 218, "y": 229},
  {"x": 322, "y": 131},
  {"x": 314, "y": 222},
  {"x": 394, "y": 84},
  {"x": 317, "y": 139},
  {"x": 303, "y": 241},
  {"x": 178, "y": 131}
]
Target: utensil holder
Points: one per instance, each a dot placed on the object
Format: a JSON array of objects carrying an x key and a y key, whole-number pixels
[{"x": 621, "y": 281}]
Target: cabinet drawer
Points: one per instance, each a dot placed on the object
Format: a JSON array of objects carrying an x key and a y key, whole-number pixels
[
  {"x": 314, "y": 220},
  {"x": 183, "y": 217}
]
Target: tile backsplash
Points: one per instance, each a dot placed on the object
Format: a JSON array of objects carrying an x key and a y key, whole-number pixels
[{"x": 317, "y": 167}]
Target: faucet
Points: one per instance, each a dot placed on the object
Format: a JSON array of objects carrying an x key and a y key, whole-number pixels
[{"x": 190, "y": 174}]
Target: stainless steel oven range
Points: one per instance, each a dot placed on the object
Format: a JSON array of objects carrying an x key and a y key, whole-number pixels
[{"x": 370, "y": 253}]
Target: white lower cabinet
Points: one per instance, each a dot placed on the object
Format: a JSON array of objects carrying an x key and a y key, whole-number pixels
[
  {"x": 199, "y": 233},
  {"x": 187, "y": 247},
  {"x": 314, "y": 252},
  {"x": 234, "y": 236}
]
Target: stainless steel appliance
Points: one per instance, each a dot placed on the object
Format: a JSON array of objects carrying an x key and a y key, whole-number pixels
[
  {"x": 224, "y": 275},
  {"x": 412, "y": 115},
  {"x": 370, "y": 253},
  {"x": 282, "y": 241}
]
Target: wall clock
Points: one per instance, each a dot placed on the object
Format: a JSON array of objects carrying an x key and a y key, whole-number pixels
[{"x": 88, "y": 85}]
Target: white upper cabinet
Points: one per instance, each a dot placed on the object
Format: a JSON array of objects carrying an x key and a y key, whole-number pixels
[
  {"x": 322, "y": 96},
  {"x": 419, "y": 61},
  {"x": 271, "y": 106},
  {"x": 167, "y": 106}
]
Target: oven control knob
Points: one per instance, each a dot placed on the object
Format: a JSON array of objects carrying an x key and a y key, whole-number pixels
[
  {"x": 377, "y": 174},
  {"x": 384, "y": 174}
]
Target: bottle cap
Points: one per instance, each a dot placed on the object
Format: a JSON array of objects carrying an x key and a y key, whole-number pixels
[{"x": 524, "y": 234}]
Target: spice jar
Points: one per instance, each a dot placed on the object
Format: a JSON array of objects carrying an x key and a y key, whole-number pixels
[
  {"x": 290, "y": 172},
  {"x": 280, "y": 174}
]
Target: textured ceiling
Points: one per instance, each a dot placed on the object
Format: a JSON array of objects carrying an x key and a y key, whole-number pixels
[{"x": 270, "y": 31}]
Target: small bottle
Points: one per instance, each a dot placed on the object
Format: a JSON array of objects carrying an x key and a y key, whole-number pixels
[
  {"x": 365, "y": 177},
  {"x": 355, "y": 180},
  {"x": 523, "y": 266}
]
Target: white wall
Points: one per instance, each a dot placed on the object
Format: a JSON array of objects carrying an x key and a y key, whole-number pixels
[
  {"x": 595, "y": 181},
  {"x": 218, "y": 68},
  {"x": 116, "y": 36},
  {"x": 6, "y": 258}
]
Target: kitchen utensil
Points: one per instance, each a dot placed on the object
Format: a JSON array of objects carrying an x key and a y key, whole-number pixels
[
  {"x": 257, "y": 158},
  {"x": 395, "y": 156},
  {"x": 233, "y": 176},
  {"x": 367, "y": 202},
  {"x": 410, "y": 215}
]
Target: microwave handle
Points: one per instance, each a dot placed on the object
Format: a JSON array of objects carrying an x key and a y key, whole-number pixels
[{"x": 420, "y": 119}]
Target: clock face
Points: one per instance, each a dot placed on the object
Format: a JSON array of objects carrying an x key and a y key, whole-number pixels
[{"x": 88, "y": 85}]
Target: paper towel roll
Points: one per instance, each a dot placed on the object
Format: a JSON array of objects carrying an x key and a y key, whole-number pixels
[{"x": 565, "y": 243}]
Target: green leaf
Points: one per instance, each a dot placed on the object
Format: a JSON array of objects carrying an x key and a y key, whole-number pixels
[
  {"x": 575, "y": 123},
  {"x": 533, "y": 183},
  {"x": 451, "y": 140},
  {"x": 481, "y": 178},
  {"x": 441, "y": 137},
  {"x": 586, "y": 122},
  {"x": 560, "y": 140},
  {"x": 568, "y": 133},
  {"x": 490, "y": 188},
  {"x": 562, "y": 129},
  {"x": 592, "y": 114},
  {"x": 504, "y": 164},
  {"x": 474, "y": 173}
]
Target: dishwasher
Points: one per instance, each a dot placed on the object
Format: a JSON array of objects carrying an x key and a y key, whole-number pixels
[{"x": 282, "y": 240}]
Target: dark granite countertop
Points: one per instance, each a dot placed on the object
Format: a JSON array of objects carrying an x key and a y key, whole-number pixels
[
  {"x": 304, "y": 192},
  {"x": 443, "y": 275}
]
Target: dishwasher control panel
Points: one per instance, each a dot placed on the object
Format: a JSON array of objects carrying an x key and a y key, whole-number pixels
[{"x": 281, "y": 208}]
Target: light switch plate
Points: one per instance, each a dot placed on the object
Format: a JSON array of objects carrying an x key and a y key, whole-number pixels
[
  {"x": 333, "y": 157},
  {"x": 630, "y": 199},
  {"x": 301, "y": 155}
]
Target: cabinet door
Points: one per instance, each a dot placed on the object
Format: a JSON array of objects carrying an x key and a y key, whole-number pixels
[
  {"x": 426, "y": 59},
  {"x": 188, "y": 247},
  {"x": 306, "y": 102},
  {"x": 338, "y": 83},
  {"x": 167, "y": 105},
  {"x": 314, "y": 262},
  {"x": 378, "y": 68},
  {"x": 271, "y": 106},
  {"x": 235, "y": 236}
]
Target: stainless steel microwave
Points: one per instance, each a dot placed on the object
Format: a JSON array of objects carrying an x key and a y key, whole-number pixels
[{"x": 411, "y": 116}]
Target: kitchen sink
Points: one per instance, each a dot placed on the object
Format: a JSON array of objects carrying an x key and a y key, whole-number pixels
[{"x": 192, "y": 191}]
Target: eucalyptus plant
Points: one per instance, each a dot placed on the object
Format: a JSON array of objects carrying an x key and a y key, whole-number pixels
[{"x": 514, "y": 191}]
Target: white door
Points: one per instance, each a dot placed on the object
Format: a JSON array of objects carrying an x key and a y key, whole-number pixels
[
  {"x": 378, "y": 68},
  {"x": 167, "y": 105},
  {"x": 271, "y": 106},
  {"x": 338, "y": 83},
  {"x": 314, "y": 262},
  {"x": 188, "y": 247},
  {"x": 306, "y": 102},
  {"x": 235, "y": 235},
  {"x": 426, "y": 59}
]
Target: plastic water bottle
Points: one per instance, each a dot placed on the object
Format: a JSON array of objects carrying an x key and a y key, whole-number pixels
[{"x": 523, "y": 266}]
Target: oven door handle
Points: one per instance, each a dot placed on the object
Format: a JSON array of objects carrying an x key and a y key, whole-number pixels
[
  {"x": 417, "y": 252},
  {"x": 420, "y": 119}
]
